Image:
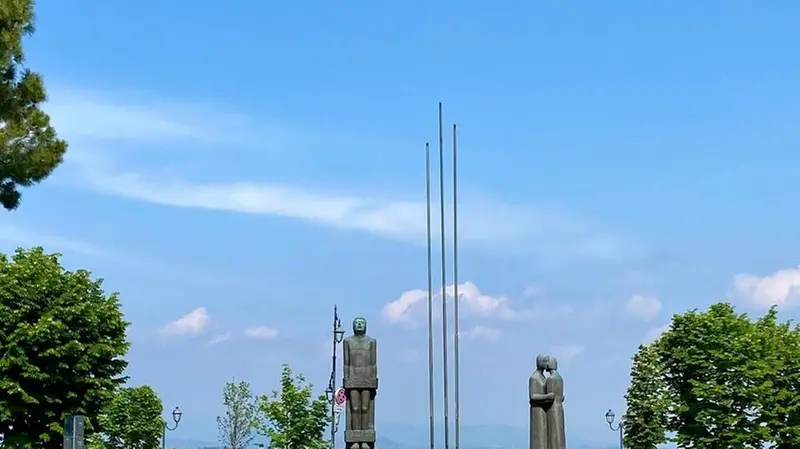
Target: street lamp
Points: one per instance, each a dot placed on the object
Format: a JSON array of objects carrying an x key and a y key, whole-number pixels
[
  {"x": 619, "y": 428},
  {"x": 176, "y": 417},
  {"x": 338, "y": 335}
]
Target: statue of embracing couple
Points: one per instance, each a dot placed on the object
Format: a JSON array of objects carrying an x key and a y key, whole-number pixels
[{"x": 546, "y": 395}]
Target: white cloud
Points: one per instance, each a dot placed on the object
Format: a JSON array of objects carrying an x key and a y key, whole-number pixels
[
  {"x": 96, "y": 118},
  {"x": 18, "y": 236},
  {"x": 654, "y": 333},
  {"x": 192, "y": 323},
  {"x": 567, "y": 353},
  {"x": 471, "y": 301},
  {"x": 533, "y": 290},
  {"x": 642, "y": 306},
  {"x": 399, "y": 309},
  {"x": 220, "y": 338},
  {"x": 485, "y": 223},
  {"x": 81, "y": 114},
  {"x": 471, "y": 298},
  {"x": 261, "y": 333},
  {"x": 99, "y": 120},
  {"x": 780, "y": 288},
  {"x": 482, "y": 333}
]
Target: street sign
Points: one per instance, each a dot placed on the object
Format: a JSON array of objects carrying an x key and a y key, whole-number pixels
[
  {"x": 339, "y": 399},
  {"x": 73, "y": 432}
]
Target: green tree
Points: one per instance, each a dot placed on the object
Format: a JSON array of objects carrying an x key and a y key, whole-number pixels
[
  {"x": 780, "y": 410},
  {"x": 716, "y": 379},
  {"x": 645, "y": 419},
  {"x": 62, "y": 342},
  {"x": 292, "y": 418},
  {"x": 29, "y": 148},
  {"x": 714, "y": 371},
  {"x": 241, "y": 416},
  {"x": 132, "y": 420}
]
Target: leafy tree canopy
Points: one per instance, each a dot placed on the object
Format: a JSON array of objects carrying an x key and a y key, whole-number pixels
[
  {"x": 241, "y": 416},
  {"x": 62, "y": 342},
  {"x": 29, "y": 147},
  {"x": 645, "y": 419},
  {"x": 292, "y": 417},
  {"x": 132, "y": 420},
  {"x": 717, "y": 379}
]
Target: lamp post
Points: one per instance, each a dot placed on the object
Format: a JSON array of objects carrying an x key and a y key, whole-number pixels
[
  {"x": 176, "y": 417},
  {"x": 619, "y": 428},
  {"x": 338, "y": 335}
]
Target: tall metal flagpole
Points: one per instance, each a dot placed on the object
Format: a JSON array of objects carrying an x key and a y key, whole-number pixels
[
  {"x": 455, "y": 285},
  {"x": 430, "y": 293},
  {"x": 332, "y": 382},
  {"x": 445, "y": 339}
]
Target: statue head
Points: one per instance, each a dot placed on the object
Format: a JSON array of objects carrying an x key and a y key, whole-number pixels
[
  {"x": 552, "y": 364},
  {"x": 542, "y": 362},
  {"x": 360, "y": 326}
]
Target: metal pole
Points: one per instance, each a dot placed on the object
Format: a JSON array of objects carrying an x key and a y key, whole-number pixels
[
  {"x": 445, "y": 337},
  {"x": 619, "y": 428},
  {"x": 176, "y": 416},
  {"x": 332, "y": 383},
  {"x": 455, "y": 285},
  {"x": 430, "y": 294}
]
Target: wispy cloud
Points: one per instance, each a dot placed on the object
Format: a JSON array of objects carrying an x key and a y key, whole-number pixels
[
  {"x": 80, "y": 114},
  {"x": 93, "y": 120},
  {"x": 192, "y": 323},
  {"x": 645, "y": 307},
  {"x": 220, "y": 338},
  {"x": 261, "y": 333},
  {"x": 481, "y": 333},
  {"x": 17, "y": 236},
  {"x": 568, "y": 352}
]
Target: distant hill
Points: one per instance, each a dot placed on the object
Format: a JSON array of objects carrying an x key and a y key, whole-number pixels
[
  {"x": 410, "y": 437},
  {"x": 183, "y": 443}
]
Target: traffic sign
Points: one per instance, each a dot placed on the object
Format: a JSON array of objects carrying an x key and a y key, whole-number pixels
[{"x": 339, "y": 399}]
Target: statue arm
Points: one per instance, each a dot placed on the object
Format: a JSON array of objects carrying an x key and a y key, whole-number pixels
[
  {"x": 538, "y": 398},
  {"x": 542, "y": 398},
  {"x": 346, "y": 358},
  {"x": 373, "y": 356}
]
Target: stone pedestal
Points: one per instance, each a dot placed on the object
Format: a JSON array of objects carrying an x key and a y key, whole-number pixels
[{"x": 359, "y": 436}]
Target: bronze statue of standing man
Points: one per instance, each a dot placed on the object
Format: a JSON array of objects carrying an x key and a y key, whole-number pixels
[{"x": 360, "y": 354}]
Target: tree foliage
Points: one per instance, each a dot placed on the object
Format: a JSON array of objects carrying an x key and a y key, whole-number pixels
[
  {"x": 62, "y": 340},
  {"x": 29, "y": 147},
  {"x": 132, "y": 420},
  {"x": 718, "y": 380},
  {"x": 241, "y": 416},
  {"x": 645, "y": 419},
  {"x": 713, "y": 368},
  {"x": 292, "y": 418},
  {"x": 780, "y": 410}
]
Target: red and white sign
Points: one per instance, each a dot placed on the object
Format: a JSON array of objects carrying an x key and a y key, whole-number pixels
[{"x": 339, "y": 399}]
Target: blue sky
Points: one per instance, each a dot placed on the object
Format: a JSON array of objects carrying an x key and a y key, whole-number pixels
[{"x": 248, "y": 166}]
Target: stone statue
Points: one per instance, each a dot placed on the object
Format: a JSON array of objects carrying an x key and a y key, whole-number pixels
[
  {"x": 556, "y": 437},
  {"x": 361, "y": 384},
  {"x": 540, "y": 402}
]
